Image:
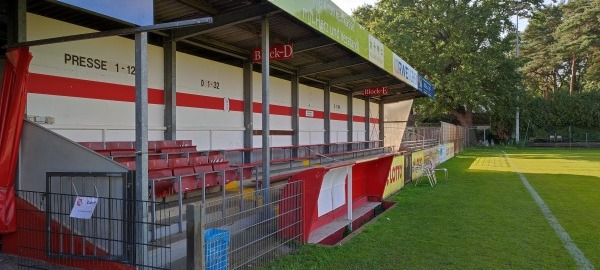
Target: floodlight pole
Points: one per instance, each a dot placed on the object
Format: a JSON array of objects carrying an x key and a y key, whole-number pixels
[{"x": 518, "y": 112}]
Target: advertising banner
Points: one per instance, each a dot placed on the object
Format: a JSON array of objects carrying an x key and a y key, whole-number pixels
[
  {"x": 395, "y": 179},
  {"x": 327, "y": 18},
  {"x": 417, "y": 159},
  {"x": 405, "y": 72},
  {"x": 449, "y": 150},
  {"x": 426, "y": 87}
]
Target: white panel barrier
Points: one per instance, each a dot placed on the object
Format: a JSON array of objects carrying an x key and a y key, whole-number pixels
[
  {"x": 325, "y": 201},
  {"x": 333, "y": 190},
  {"x": 339, "y": 187}
]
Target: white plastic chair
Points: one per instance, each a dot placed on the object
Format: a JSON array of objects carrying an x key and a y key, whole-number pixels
[
  {"x": 427, "y": 171},
  {"x": 432, "y": 164}
]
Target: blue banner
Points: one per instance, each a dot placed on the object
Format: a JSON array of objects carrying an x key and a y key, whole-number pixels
[{"x": 426, "y": 87}]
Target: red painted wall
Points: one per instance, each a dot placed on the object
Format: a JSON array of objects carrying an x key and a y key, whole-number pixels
[{"x": 368, "y": 184}]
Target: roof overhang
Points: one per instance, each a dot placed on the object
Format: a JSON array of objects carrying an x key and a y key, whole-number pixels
[{"x": 330, "y": 48}]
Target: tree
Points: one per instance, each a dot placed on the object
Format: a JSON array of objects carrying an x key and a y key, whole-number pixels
[
  {"x": 542, "y": 69},
  {"x": 578, "y": 39},
  {"x": 461, "y": 45}
]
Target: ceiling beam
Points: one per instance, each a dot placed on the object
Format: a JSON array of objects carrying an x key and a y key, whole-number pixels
[
  {"x": 401, "y": 97},
  {"x": 250, "y": 13},
  {"x": 381, "y": 83},
  {"x": 311, "y": 44},
  {"x": 200, "y": 5},
  {"x": 348, "y": 62},
  {"x": 357, "y": 77}
]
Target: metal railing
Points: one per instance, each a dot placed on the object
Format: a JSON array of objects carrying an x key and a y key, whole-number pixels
[
  {"x": 247, "y": 230},
  {"x": 49, "y": 226}
]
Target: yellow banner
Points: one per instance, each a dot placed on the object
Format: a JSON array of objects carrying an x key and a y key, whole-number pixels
[
  {"x": 395, "y": 179},
  {"x": 418, "y": 158}
]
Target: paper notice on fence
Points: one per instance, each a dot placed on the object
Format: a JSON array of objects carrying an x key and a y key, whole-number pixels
[{"x": 84, "y": 207}]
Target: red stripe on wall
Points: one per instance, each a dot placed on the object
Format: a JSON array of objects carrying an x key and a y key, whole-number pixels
[
  {"x": 339, "y": 117},
  {"x": 71, "y": 87},
  {"x": 356, "y": 118},
  {"x": 273, "y": 109},
  {"x": 198, "y": 101}
]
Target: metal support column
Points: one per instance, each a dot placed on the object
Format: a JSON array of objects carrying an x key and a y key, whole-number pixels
[
  {"x": 350, "y": 121},
  {"x": 170, "y": 49},
  {"x": 141, "y": 146},
  {"x": 381, "y": 124},
  {"x": 349, "y": 195},
  {"x": 17, "y": 23},
  {"x": 295, "y": 114},
  {"x": 248, "y": 102},
  {"x": 367, "y": 119},
  {"x": 327, "y": 118},
  {"x": 266, "y": 153}
]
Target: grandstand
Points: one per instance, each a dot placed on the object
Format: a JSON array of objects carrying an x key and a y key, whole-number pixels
[{"x": 152, "y": 116}]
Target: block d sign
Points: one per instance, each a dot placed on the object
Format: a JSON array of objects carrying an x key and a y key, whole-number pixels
[
  {"x": 377, "y": 91},
  {"x": 276, "y": 52}
]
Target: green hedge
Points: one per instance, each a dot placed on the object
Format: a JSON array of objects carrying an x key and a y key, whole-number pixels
[{"x": 553, "y": 116}]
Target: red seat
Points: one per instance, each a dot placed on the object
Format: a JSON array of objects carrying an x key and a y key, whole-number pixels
[
  {"x": 122, "y": 152},
  {"x": 154, "y": 156},
  {"x": 122, "y": 145},
  {"x": 178, "y": 149},
  {"x": 182, "y": 143},
  {"x": 196, "y": 154},
  {"x": 129, "y": 164},
  {"x": 163, "y": 188},
  {"x": 231, "y": 174},
  {"x": 159, "y": 173},
  {"x": 214, "y": 157},
  {"x": 93, "y": 145},
  {"x": 211, "y": 177},
  {"x": 165, "y": 144},
  {"x": 179, "y": 162},
  {"x": 152, "y": 147},
  {"x": 121, "y": 159},
  {"x": 157, "y": 164},
  {"x": 188, "y": 179},
  {"x": 198, "y": 160}
]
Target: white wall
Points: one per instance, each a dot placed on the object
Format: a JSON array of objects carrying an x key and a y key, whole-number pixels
[
  {"x": 311, "y": 128},
  {"x": 339, "y": 108},
  {"x": 97, "y": 103},
  {"x": 397, "y": 113}
]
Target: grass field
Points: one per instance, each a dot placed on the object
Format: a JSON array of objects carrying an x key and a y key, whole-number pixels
[{"x": 483, "y": 217}]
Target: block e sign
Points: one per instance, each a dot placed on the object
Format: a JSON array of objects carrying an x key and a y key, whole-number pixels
[{"x": 375, "y": 92}]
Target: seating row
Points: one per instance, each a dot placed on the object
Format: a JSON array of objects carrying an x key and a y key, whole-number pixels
[
  {"x": 122, "y": 148},
  {"x": 194, "y": 173}
]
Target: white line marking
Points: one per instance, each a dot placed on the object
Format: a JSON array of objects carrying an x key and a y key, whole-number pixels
[{"x": 571, "y": 247}]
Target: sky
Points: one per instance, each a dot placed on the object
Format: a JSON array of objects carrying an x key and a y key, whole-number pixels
[{"x": 349, "y": 5}]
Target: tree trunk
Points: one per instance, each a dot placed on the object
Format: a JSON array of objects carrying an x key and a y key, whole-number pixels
[
  {"x": 555, "y": 80},
  {"x": 465, "y": 118},
  {"x": 573, "y": 73}
]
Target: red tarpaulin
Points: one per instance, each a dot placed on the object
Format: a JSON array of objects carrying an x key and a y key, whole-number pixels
[{"x": 13, "y": 97}]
